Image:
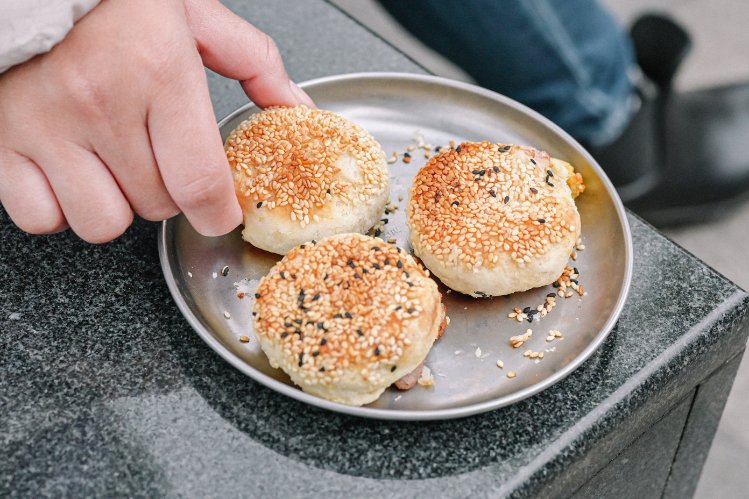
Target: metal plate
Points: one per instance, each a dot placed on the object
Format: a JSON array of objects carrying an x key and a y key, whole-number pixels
[{"x": 394, "y": 107}]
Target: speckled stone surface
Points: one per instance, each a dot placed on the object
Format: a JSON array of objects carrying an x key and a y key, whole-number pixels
[{"x": 105, "y": 390}]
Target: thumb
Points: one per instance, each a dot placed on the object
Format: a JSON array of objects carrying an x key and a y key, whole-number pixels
[{"x": 236, "y": 49}]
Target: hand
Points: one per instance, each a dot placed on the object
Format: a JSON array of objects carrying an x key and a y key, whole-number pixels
[{"x": 117, "y": 119}]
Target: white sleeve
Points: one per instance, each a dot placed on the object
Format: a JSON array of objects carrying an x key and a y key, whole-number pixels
[{"x": 31, "y": 27}]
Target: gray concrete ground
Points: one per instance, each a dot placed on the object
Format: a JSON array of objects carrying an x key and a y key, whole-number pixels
[{"x": 719, "y": 56}]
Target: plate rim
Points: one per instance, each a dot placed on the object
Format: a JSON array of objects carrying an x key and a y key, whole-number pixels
[{"x": 402, "y": 414}]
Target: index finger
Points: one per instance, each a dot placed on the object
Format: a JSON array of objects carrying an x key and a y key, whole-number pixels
[
  {"x": 236, "y": 49},
  {"x": 188, "y": 150}
]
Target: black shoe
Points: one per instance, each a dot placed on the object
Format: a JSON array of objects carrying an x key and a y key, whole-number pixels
[{"x": 681, "y": 160}]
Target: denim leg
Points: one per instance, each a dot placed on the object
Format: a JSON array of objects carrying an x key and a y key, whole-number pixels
[{"x": 567, "y": 59}]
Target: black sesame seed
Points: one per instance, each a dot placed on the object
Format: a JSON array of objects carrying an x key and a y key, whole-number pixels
[
  {"x": 574, "y": 280},
  {"x": 533, "y": 161},
  {"x": 225, "y": 271},
  {"x": 534, "y": 190},
  {"x": 298, "y": 321},
  {"x": 257, "y": 295},
  {"x": 301, "y": 359},
  {"x": 377, "y": 350},
  {"x": 550, "y": 184},
  {"x": 377, "y": 233},
  {"x": 376, "y": 266},
  {"x": 287, "y": 324},
  {"x": 375, "y": 248},
  {"x": 458, "y": 149},
  {"x": 293, "y": 276},
  {"x": 387, "y": 261},
  {"x": 526, "y": 310},
  {"x": 493, "y": 194},
  {"x": 411, "y": 310},
  {"x": 323, "y": 342},
  {"x": 398, "y": 308},
  {"x": 360, "y": 332},
  {"x": 322, "y": 369},
  {"x": 438, "y": 149},
  {"x": 259, "y": 204},
  {"x": 455, "y": 203},
  {"x": 530, "y": 318},
  {"x": 365, "y": 271},
  {"x": 384, "y": 220},
  {"x": 348, "y": 315},
  {"x": 574, "y": 269},
  {"x": 320, "y": 325},
  {"x": 315, "y": 353},
  {"x": 356, "y": 275},
  {"x": 507, "y": 148},
  {"x": 406, "y": 155},
  {"x": 350, "y": 263},
  {"x": 313, "y": 241},
  {"x": 496, "y": 169},
  {"x": 325, "y": 277},
  {"x": 399, "y": 264},
  {"x": 551, "y": 295},
  {"x": 549, "y": 173},
  {"x": 302, "y": 246},
  {"x": 555, "y": 284},
  {"x": 392, "y": 369},
  {"x": 284, "y": 335},
  {"x": 283, "y": 275},
  {"x": 405, "y": 273},
  {"x": 338, "y": 316},
  {"x": 316, "y": 297},
  {"x": 542, "y": 220},
  {"x": 254, "y": 314},
  {"x": 507, "y": 199},
  {"x": 475, "y": 172},
  {"x": 328, "y": 191}
]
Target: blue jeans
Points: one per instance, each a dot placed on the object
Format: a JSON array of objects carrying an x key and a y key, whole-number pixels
[{"x": 567, "y": 59}]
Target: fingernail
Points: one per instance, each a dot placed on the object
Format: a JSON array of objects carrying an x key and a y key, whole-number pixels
[{"x": 301, "y": 95}]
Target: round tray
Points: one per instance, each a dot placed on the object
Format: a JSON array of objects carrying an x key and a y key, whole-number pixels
[{"x": 395, "y": 107}]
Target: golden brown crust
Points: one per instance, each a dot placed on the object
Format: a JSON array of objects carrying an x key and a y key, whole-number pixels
[
  {"x": 284, "y": 159},
  {"x": 470, "y": 204},
  {"x": 576, "y": 184},
  {"x": 347, "y": 303}
]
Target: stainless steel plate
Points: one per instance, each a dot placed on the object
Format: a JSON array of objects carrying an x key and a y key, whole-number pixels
[{"x": 394, "y": 108}]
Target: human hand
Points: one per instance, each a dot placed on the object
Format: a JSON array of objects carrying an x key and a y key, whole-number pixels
[{"x": 117, "y": 119}]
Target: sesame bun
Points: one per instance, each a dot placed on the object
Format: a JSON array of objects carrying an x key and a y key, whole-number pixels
[
  {"x": 347, "y": 316},
  {"x": 303, "y": 174},
  {"x": 492, "y": 219}
]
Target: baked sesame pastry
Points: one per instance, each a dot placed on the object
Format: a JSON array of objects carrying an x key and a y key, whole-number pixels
[
  {"x": 493, "y": 219},
  {"x": 303, "y": 174},
  {"x": 347, "y": 316}
]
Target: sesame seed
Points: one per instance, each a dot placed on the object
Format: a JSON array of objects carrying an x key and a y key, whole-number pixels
[
  {"x": 367, "y": 338},
  {"x": 511, "y": 374},
  {"x": 284, "y": 157}
]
